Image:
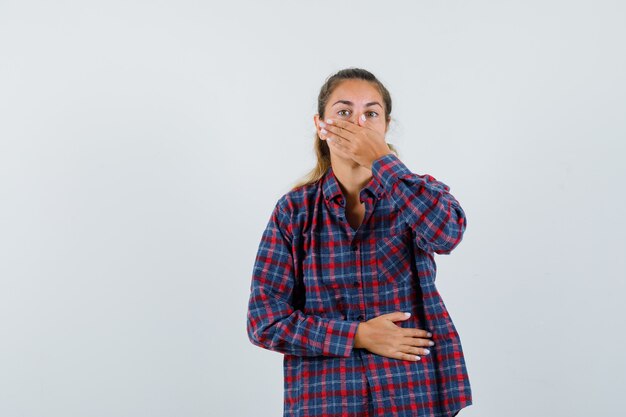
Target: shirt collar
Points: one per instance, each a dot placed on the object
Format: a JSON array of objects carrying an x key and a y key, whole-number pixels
[{"x": 331, "y": 188}]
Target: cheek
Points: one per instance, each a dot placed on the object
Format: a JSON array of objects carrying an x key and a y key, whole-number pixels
[{"x": 379, "y": 125}]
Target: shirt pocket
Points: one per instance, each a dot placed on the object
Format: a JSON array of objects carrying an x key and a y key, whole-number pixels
[{"x": 393, "y": 257}]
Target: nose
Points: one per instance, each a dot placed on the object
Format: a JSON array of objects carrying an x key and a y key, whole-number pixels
[{"x": 354, "y": 118}]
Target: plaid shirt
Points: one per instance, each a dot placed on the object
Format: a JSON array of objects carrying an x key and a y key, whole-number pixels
[{"x": 315, "y": 278}]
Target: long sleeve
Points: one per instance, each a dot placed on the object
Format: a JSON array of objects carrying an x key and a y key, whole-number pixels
[
  {"x": 272, "y": 321},
  {"x": 425, "y": 204}
]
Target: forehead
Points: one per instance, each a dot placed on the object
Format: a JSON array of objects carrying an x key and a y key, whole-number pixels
[{"x": 356, "y": 91}]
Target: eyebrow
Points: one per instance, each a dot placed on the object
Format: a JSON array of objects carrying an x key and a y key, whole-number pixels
[{"x": 349, "y": 103}]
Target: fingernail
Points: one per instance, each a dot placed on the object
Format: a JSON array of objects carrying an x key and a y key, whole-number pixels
[
  {"x": 324, "y": 131},
  {"x": 408, "y": 314},
  {"x": 431, "y": 343},
  {"x": 363, "y": 117},
  {"x": 322, "y": 124},
  {"x": 417, "y": 358},
  {"x": 426, "y": 351},
  {"x": 329, "y": 121},
  {"x": 429, "y": 334}
]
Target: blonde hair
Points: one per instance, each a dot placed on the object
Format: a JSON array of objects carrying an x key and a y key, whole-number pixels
[{"x": 320, "y": 146}]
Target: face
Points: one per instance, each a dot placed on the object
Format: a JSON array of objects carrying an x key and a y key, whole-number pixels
[{"x": 351, "y": 99}]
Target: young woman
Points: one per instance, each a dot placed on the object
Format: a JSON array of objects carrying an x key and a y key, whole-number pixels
[{"x": 344, "y": 279}]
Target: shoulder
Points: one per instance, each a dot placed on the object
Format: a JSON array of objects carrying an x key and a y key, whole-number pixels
[
  {"x": 295, "y": 208},
  {"x": 298, "y": 199}
]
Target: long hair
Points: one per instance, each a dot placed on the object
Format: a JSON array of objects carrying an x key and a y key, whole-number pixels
[{"x": 322, "y": 152}]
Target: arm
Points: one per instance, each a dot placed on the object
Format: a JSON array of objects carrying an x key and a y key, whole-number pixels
[
  {"x": 272, "y": 321},
  {"x": 425, "y": 204}
]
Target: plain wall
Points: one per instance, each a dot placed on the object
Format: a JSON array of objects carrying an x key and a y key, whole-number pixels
[{"x": 144, "y": 144}]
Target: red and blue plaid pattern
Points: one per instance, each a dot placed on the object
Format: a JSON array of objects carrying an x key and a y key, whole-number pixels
[{"x": 315, "y": 278}]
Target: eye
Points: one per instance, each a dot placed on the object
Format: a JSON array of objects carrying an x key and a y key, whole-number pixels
[
  {"x": 340, "y": 111},
  {"x": 373, "y": 112}
]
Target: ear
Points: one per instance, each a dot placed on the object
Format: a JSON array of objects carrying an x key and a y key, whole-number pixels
[{"x": 316, "y": 121}]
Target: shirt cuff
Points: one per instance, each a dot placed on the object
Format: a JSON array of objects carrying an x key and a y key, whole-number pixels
[
  {"x": 388, "y": 169},
  {"x": 339, "y": 339}
]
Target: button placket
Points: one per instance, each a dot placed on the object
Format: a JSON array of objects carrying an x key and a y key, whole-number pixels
[
  {"x": 355, "y": 249},
  {"x": 341, "y": 208},
  {"x": 359, "y": 276}
]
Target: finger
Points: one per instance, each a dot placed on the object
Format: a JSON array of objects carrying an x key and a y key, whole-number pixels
[
  {"x": 337, "y": 131},
  {"x": 364, "y": 122},
  {"x": 416, "y": 341},
  {"x": 339, "y": 142},
  {"x": 413, "y": 332},
  {"x": 326, "y": 135},
  {"x": 330, "y": 130},
  {"x": 338, "y": 148},
  {"x": 342, "y": 124},
  {"x": 407, "y": 357},
  {"x": 396, "y": 316},
  {"x": 414, "y": 350}
]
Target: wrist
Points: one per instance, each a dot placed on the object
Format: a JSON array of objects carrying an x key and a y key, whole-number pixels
[
  {"x": 378, "y": 156},
  {"x": 359, "y": 336}
]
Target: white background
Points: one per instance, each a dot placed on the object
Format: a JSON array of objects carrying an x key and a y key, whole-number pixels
[{"x": 143, "y": 145}]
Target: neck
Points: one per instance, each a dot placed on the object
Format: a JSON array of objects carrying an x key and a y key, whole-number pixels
[{"x": 351, "y": 176}]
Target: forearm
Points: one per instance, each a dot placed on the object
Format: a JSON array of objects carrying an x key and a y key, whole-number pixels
[
  {"x": 424, "y": 204},
  {"x": 296, "y": 333}
]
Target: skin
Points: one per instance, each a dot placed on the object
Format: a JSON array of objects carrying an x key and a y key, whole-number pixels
[{"x": 355, "y": 133}]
